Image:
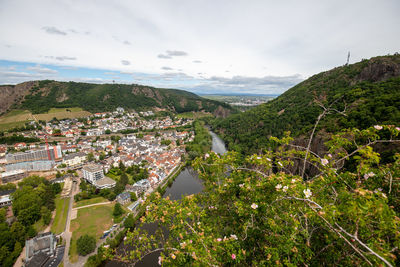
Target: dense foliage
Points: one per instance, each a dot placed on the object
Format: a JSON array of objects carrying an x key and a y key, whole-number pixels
[
  {"x": 13, "y": 139},
  {"x": 369, "y": 92},
  {"x": 254, "y": 212},
  {"x": 107, "y": 97},
  {"x": 33, "y": 200},
  {"x": 201, "y": 142},
  {"x": 86, "y": 244}
]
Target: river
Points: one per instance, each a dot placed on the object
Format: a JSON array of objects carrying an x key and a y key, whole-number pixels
[{"x": 187, "y": 183}]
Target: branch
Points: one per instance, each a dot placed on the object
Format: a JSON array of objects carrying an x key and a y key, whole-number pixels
[
  {"x": 305, "y": 200},
  {"x": 330, "y": 226},
  {"x": 364, "y": 146},
  {"x": 309, "y": 141},
  {"x": 355, "y": 237}
]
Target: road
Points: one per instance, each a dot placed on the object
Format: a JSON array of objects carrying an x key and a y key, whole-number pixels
[{"x": 67, "y": 234}]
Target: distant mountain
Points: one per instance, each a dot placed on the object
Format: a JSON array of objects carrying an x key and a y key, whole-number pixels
[
  {"x": 40, "y": 96},
  {"x": 370, "y": 91}
]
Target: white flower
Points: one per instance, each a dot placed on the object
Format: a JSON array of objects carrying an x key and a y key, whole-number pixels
[
  {"x": 254, "y": 206},
  {"x": 270, "y": 159},
  {"x": 206, "y": 155},
  {"x": 378, "y": 127},
  {"x": 234, "y": 237},
  {"x": 367, "y": 175},
  {"x": 241, "y": 185},
  {"x": 258, "y": 157},
  {"x": 106, "y": 246},
  {"x": 398, "y": 129},
  {"x": 278, "y": 186},
  {"x": 384, "y": 195},
  {"x": 280, "y": 164},
  {"x": 330, "y": 155},
  {"x": 219, "y": 239},
  {"x": 324, "y": 162},
  {"x": 285, "y": 188},
  {"x": 159, "y": 260},
  {"x": 173, "y": 256},
  {"x": 307, "y": 192},
  {"x": 293, "y": 181}
]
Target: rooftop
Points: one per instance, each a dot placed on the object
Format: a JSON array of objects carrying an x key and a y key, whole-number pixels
[
  {"x": 105, "y": 181},
  {"x": 93, "y": 168}
]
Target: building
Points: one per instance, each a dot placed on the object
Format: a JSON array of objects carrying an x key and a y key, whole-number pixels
[
  {"x": 133, "y": 206},
  {"x": 124, "y": 198},
  {"x": 42, "y": 250},
  {"x": 12, "y": 176},
  {"x": 5, "y": 201},
  {"x": 74, "y": 159},
  {"x": 94, "y": 174},
  {"x": 41, "y": 165},
  {"x": 45, "y": 243},
  {"x": 35, "y": 155}
]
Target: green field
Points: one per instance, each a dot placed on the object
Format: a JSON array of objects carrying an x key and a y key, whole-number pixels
[
  {"x": 61, "y": 215},
  {"x": 92, "y": 221},
  {"x": 89, "y": 201},
  {"x": 18, "y": 118}
]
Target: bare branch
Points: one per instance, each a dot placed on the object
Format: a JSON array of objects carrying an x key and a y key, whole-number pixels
[{"x": 355, "y": 237}]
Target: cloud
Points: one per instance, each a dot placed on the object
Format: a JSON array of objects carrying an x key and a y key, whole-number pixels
[
  {"x": 61, "y": 58},
  {"x": 197, "y": 61},
  {"x": 53, "y": 30},
  {"x": 166, "y": 68},
  {"x": 126, "y": 43},
  {"x": 176, "y": 53},
  {"x": 245, "y": 84},
  {"x": 125, "y": 62},
  {"x": 172, "y": 53},
  {"x": 41, "y": 70},
  {"x": 164, "y": 56}
]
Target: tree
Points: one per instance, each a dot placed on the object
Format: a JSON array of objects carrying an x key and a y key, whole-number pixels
[
  {"x": 124, "y": 179},
  {"x": 133, "y": 196},
  {"x": 108, "y": 131},
  {"x": 129, "y": 221},
  {"x": 261, "y": 213},
  {"x": 118, "y": 211},
  {"x": 46, "y": 215},
  {"x": 90, "y": 157},
  {"x": 18, "y": 231},
  {"x": 86, "y": 244}
]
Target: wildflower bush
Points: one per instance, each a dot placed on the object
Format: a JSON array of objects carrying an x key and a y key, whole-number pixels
[{"x": 255, "y": 211}]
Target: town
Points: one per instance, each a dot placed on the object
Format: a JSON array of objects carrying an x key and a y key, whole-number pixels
[{"x": 96, "y": 162}]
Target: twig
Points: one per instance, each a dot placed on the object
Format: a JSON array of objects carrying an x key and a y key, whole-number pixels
[{"x": 355, "y": 237}]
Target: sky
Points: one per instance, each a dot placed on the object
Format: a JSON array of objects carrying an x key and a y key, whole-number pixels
[{"x": 203, "y": 46}]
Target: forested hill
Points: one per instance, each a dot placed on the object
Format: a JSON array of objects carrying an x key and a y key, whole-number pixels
[
  {"x": 40, "y": 96},
  {"x": 370, "y": 91}
]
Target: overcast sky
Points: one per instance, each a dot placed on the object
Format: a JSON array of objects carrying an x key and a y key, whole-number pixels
[{"x": 203, "y": 46}]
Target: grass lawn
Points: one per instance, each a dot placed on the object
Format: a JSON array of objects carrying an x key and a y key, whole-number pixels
[
  {"x": 89, "y": 201},
  {"x": 57, "y": 110},
  {"x": 10, "y": 125},
  {"x": 92, "y": 221},
  {"x": 61, "y": 215}
]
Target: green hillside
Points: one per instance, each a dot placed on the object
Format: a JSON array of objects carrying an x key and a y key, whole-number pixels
[
  {"x": 369, "y": 91},
  {"x": 44, "y": 95}
]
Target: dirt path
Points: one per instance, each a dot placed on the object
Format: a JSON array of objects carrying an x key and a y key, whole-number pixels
[{"x": 95, "y": 204}]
